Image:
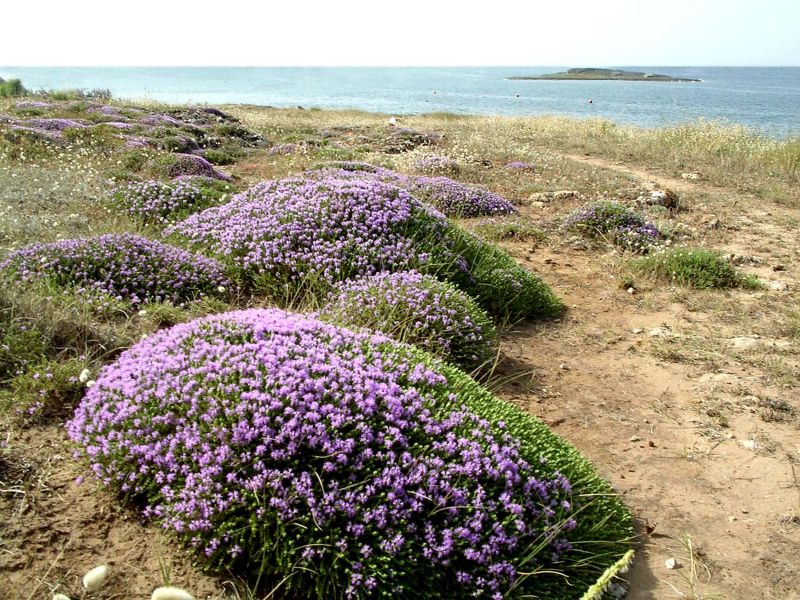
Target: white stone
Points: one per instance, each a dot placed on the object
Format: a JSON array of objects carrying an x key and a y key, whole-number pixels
[
  {"x": 96, "y": 578},
  {"x": 170, "y": 593},
  {"x": 84, "y": 376},
  {"x": 748, "y": 444},
  {"x": 671, "y": 563}
]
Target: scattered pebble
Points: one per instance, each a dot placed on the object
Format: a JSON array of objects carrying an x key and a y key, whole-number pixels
[
  {"x": 778, "y": 286},
  {"x": 637, "y": 330},
  {"x": 60, "y": 597},
  {"x": 748, "y": 444},
  {"x": 84, "y": 376},
  {"x": 170, "y": 593},
  {"x": 671, "y": 563},
  {"x": 635, "y": 438},
  {"x": 631, "y": 290},
  {"x": 96, "y": 578},
  {"x": 564, "y": 367}
]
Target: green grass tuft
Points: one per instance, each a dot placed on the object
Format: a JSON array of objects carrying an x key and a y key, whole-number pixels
[{"x": 693, "y": 267}]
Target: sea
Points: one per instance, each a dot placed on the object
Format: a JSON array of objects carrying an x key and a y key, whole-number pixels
[{"x": 763, "y": 99}]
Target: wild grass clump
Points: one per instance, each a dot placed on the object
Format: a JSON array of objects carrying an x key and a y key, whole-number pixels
[
  {"x": 50, "y": 389},
  {"x": 118, "y": 268},
  {"x": 328, "y": 464},
  {"x": 693, "y": 267},
  {"x": 417, "y": 309},
  {"x": 154, "y": 202},
  {"x": 617, "y": 223},
  {"x": 294, "y": 239},
  {"x": 514, "y": 229}
]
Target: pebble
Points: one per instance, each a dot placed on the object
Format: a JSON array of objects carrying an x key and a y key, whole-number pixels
[
  {"x": 778, "y": 286},
  {"x": 635, "y": 438},
  {"x": 671, "y": 563},
  {"x": 748, "y": 444},
  {"x": 637, "y": 330},
  {"x": 170, "y": 593},
  {"x": 95, "y": 578}
]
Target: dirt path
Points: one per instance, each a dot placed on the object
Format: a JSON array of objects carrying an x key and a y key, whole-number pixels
[{"x": 698, "y": 434}]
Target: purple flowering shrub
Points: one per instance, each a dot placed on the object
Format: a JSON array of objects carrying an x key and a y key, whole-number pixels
[
  {"x": 624, "y": 227},
  {"x": 417, "y": 309},
  {"x": 437, "y": 164},
  {"x": 317, "y": 232},
  {"x": 122, "y": 267},
  {"x": 521, "y": 166},
  {"x": 341, "y": 464},
  {"x": 298, "y": 236},
  {"x": 456, "y": 199},
  {"x": 451, "y": 197},
  {"x": 161, "y": 203}
]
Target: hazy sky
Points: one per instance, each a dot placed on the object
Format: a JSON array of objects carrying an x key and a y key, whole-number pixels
[{"x": 400, "y": 32}]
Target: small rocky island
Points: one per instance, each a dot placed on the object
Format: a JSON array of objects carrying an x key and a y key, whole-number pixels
[{"x": 604, "y": 74}]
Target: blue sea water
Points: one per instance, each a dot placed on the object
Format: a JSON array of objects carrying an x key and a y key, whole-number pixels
[{"x": 765, "y": 99}]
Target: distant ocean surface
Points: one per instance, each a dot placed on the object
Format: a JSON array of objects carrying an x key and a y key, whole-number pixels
[{"x": 765, "y": 99}]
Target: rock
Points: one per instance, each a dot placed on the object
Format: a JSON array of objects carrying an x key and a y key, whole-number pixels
[
  {"x": 672, "y": 563},
  {"x": 778, "y": 286},
  {"x": 170, "y": 593},
  {"x": 637, "y": 330},
  {"x": 748, "y": 444},
  {"x": 662, "y": 332},
  {"x": 96, "y": 578},
  {"x": 666, "y": 198},
  {"x": 691, "y": 176},
  {"x": 564, "y": 367},
  {"x": 616, "y": 591},
  {"x": 634, "y": 438},
  {"x": 537, "y": 204},
  {"x": 745, "y": 342},
  {"x": 777, "y": 268}
]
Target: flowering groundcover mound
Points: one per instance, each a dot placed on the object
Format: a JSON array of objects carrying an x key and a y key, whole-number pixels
[
  {"x": 624, "y": 227},
  {"x": 124, "y": 267},
  {"x": 345, "y": 464},
  {"x": 451, "y": 197},
  {"x": 417, "y": 309},
  {"x": 162, "y": 203},
  {"x": 309, "y": 234}
]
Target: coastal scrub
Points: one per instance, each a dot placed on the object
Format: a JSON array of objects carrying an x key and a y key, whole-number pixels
[{"x": 335, "y": 463}]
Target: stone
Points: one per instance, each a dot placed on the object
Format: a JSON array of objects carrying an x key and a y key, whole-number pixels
[
  {"x": 748, "y": 444},
  {"x": 691, "y": 176},
  {"x": 671, "y": 563},
  {"x": 778, "y": 286},
  {"x": 745, "y": 342}
]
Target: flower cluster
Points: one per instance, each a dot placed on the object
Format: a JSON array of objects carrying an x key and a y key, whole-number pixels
[
  {"x": 456, "y": 199},
  {"x": 453, "y": 198},
  {"x": 436, "y": 164},
  {"x": 55, "y": 124},
  {"x": 621, "y": 225},
  {"x": 418, "y": 309},
  {"x": 335, "y": 459},
  {"x": 156, "y": 202},
  {"x": 521, "y": 166},
  {"x": 124, "y": 267},
  {"x": 192, "y": 164},
  {"x": 324, "y": 230}
]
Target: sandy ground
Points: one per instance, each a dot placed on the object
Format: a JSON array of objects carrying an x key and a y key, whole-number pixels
[{"x": 698, "y": 433}]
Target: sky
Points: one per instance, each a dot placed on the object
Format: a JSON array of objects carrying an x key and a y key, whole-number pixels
[{"x": 400, "y": 33}]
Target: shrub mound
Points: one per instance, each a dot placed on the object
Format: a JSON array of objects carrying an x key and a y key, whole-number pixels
[
  {"x": 343, "y": 464},
  {"x": 456, "y": 199},
  {"x": 162, "y": 203},
  {"x": 417, "y": 309},
  {"x": 124, "y": 267},
  {"x": 626, "y": 228},
  {"x": 299, "y": 236},
  {"x": 694, "y": 267},
  {"x": 453, "y": 198},
  {"x": 516, "y": 229}
]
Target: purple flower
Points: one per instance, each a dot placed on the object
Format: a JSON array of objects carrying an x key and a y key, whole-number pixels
[
  {"x": 123, "y": 267},
  {"x": 306, "y": 448}
]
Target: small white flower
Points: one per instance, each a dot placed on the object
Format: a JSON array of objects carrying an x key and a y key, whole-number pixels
[
  {"x": 89, "y": 384},
  {"x": 170, "y": 593},
  {"x": 96, "y": 578},
  {"x": 221, "y": 289},
  {"x": 84, "y": 376}
]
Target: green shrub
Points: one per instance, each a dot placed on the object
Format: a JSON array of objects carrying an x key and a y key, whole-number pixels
[
  {"x": 12, "y": 88},
  {"x": 512, "y": 229},
  {"x": 693, "y": 267},
  {"x": 220, "y": 156}
]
